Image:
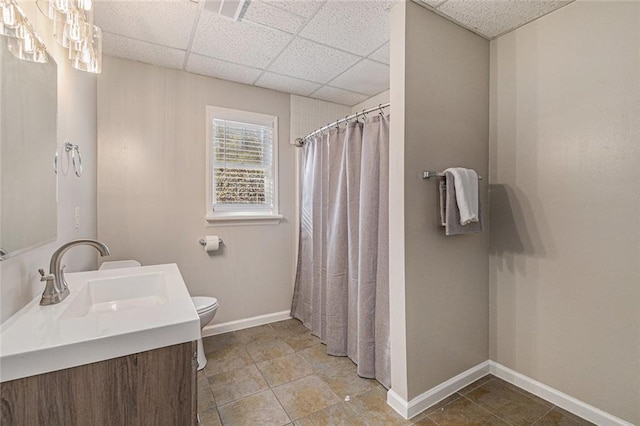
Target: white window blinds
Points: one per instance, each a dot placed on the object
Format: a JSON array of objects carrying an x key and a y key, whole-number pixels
[{"x": 242, "y": 159}]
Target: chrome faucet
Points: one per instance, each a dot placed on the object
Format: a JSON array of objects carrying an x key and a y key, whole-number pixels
[{"x": 56, "y": 288}]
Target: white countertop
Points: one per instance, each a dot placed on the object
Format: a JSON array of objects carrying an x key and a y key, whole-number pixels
[{"x": 40, "y": 339}]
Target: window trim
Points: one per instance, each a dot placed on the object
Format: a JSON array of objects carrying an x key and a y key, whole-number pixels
[{"x": 244, "y": 215}]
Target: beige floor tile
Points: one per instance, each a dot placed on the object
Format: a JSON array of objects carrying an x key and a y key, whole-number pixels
[
  {"x": 340, "y": 414},
  {"x": 344, "y": 381},
  {"x": 371, "y": 407},
  {"x": 465, "y": 390},
  {"x": 206, "y": 400},
  {"x": 209, "y": 418},
  {"x": 511, "y": 405},
  {"x": 318, "y": 359},
  {"x": 218, "y": 342},
  {"x": 236, "y": 384},
  {"x": 263, "y": 350},
  {"x": 284, "y": 369},
  {"x": 305, "y": 396},
  {"x": 462, "y": 412},
  {"x": 440, "y": 405},
  {"x": 230, "y": 358},
  {"x": 559, "y": 417},
  {"x": 290, "y": 326},
  {"x": 260, "y": 409},
  {"x": 524, "y": 392},
  {"x": 301, "y": 341},
  {"x": 423, "y": 421},
  {"x": 262, "y": 332}
]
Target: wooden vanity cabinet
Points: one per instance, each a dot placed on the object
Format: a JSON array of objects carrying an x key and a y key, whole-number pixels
[{"x": 156, "y": 387}]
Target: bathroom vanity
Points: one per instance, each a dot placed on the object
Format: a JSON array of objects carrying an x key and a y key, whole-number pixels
[{"x": 119, "y": 350}]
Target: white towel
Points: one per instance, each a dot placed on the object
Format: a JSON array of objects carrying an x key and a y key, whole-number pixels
[{"x": 466, "y": 183}]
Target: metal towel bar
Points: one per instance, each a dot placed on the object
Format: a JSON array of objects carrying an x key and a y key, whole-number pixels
[{"x": 426, "y": 174}]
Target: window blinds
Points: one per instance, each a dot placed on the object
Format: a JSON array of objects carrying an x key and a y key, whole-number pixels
[{"x": 242, "y": 166}]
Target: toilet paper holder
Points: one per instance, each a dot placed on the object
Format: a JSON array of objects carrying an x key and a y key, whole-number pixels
[{"x": 203, "y": 242}]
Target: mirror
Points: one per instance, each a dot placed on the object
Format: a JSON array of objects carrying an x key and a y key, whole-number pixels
[{"x": 28, "y": 117}]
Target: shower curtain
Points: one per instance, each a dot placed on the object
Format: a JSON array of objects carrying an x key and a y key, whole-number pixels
[{"x": 342, "y": 282}]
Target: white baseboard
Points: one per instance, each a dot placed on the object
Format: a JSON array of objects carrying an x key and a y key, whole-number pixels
[
  {"x": 562, "y": 400},
  {"x": 213, "y": 329},
  {"x": 408, "y": 409}
]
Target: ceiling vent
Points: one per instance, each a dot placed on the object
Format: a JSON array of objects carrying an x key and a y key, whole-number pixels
[{"x": 232, "y": 9}]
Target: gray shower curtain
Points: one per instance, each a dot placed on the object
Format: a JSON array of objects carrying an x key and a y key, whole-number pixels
[{"x": 342, "y": 282}]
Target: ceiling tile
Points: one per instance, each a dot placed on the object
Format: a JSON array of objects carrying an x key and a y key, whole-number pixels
[
  {"x": 167, "y": 22},
  {"x": 311, "y": 61},
  {"x": 136, "y": 50},
  {"x": 282, "y": 83},
  {"x": 339, "y": 96},
  {"x": 244, "y": 43},
  {"x": 221, "y": 69},
  {"x": 355, "y": 26},
  {"x": 271, "y": 16},
  {"x": 381, "y": 55},
  {"x": 495, "y": 17},
  {"x": 304, "y": 8},
  {"x": 366, "y": 77}
]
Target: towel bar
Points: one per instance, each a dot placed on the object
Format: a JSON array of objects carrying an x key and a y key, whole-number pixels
[{"x": 426, "y": 174}]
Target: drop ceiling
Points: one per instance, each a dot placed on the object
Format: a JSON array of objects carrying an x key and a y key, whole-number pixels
[{"x": 334, "y": 50}]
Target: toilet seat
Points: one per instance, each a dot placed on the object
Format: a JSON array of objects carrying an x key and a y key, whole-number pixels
[{"x": 204, "y": 304}]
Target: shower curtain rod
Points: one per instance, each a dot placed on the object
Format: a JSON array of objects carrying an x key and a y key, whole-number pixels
[{"x": 300, "y": 141}]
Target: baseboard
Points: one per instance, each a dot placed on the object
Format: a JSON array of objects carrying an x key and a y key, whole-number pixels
[
  {"x": 562, "y": 400},
  {"x": 213, "y": 329},
  {"x": 409, "y": 409}
]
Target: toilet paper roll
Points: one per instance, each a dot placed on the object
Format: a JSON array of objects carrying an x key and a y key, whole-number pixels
[{"x": 211, "y": 243}]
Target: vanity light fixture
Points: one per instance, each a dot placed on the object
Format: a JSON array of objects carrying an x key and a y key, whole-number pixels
[
  {"x": 22, "y": 40},
  {"x": 73, "y": 29}
]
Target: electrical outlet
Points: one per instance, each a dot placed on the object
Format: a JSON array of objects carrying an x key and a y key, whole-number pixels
[{"x": 77, "y": 217}]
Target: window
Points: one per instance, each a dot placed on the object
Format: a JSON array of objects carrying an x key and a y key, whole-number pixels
[{"x": 242, "y": 168}]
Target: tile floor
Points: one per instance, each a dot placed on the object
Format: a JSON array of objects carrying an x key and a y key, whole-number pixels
[{"x": 279, "y": 374}]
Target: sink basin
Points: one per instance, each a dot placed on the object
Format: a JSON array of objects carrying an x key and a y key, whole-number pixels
[
  {"x": 112, "y": 295},
  {"x": 108, "y": 314}
]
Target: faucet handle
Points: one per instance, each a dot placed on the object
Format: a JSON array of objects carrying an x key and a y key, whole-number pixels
[{"x": 44, "y": 277}]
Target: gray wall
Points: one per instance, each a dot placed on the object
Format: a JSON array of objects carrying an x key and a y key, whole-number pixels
[
  {"x": 565, "y": 195},
  {"x": 151, "y": 186},
  {"x": 19, "y": 278},
  {"x": 446, "y": 124}
]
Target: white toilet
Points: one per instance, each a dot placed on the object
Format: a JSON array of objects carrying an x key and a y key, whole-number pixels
[{"x": 206, "y": 308}]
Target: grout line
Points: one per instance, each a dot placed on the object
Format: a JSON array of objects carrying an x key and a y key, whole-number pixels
[
  {"x": 487, "y": 410},
  {"x": 296, "y": 34},
  {"x": 477, "y": 386},
  {"x": 541, "y": 417},
  {"x": 523, "y": 392},
  {"x": 193, "y": 35}
]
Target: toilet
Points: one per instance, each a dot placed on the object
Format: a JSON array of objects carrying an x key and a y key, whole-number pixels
[{"x": 206, "y": 308}]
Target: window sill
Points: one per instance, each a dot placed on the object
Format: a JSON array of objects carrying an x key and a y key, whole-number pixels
[{"x": 241, "y": 219}]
